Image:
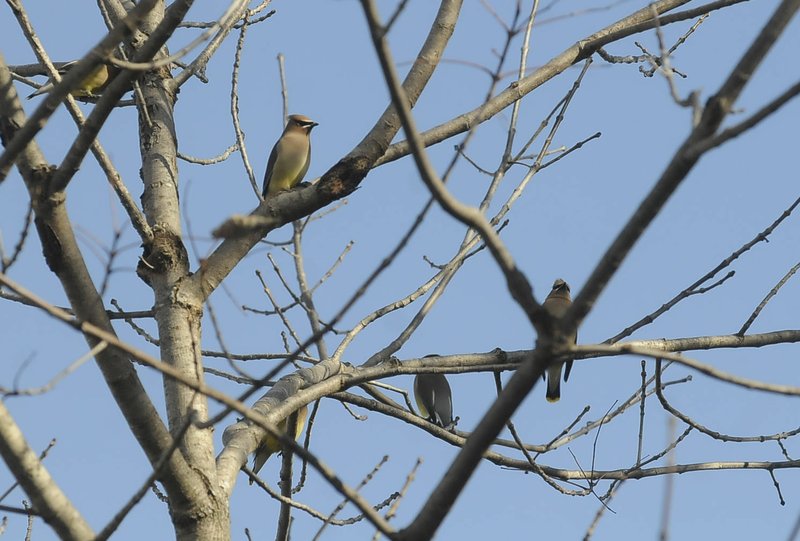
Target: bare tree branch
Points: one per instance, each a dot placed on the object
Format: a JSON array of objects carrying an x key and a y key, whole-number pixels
[
  {"x": 682, "y": 162},
  {"x": 343, "y": 177},
  {"x": 25, "y": 133},
  {"x": 48, "y": 499}
]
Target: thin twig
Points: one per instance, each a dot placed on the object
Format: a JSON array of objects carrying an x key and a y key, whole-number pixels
[
  {"x": 763, "y": 303},
  {"x": 693, "y": 289},
  {"x": 235, "y": 107}
]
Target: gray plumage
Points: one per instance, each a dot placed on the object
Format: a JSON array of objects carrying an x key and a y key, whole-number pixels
[
  {"x": 556, "y": 304},
  {"x": 434, "y": 398}
]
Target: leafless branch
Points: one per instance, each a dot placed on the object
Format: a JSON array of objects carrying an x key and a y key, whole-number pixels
[
  {"x": 763, "y": 303},
  {"x": 716, "y": 110},
  {"x": 210, "y": 161},
  {"x": 235, "y": 107},
  {"x": 695, "y": 287}
]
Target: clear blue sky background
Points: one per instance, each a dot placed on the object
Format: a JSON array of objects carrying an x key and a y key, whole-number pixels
[{"x": 559, "y": 228}]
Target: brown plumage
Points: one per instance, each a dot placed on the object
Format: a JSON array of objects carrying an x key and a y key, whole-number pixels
[
  {"x": 556, "y": 304},
  {"x": 290, "y": 157}
]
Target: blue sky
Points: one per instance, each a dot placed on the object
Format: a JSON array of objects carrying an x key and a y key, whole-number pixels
[{"x": 559, "y": 228}]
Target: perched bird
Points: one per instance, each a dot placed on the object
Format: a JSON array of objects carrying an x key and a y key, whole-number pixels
[
  {"x": 434, "y": 399},
  {"x": 92, "y": 85},
  {"x": 270, "y": 445},
  {"x": 557, "y": 303},
  {"x": 290, "y": 157}
]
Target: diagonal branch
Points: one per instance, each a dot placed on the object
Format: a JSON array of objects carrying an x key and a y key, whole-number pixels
[
  {"x": 266, "y": 422},
  {"x": 112, "y": 94},
  {"x": 763, "y": 236},
  {"x": 343, "y": 177},
  {"x": 225, "y": 26},
  {"x": 638, "y": 21},
  {"x": 65, "y": 259},
  {"x": 517, "y": 283},
  {"x": 48, "y": 499},
  {"x": 684, "y": 159},
  {"x": 71, "y": 80},
  {"x": 103, "y": 159},
  {"x": 763, "y": 113}
]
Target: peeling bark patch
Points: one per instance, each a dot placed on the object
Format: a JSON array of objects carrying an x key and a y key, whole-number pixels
[
  {"x": 7, "y": 130},
  {"x": 51, "y": 246},
  {"x": 164, "y": 253},
  {"x": 44, "y": 206},
  {"x": 344, "y": 177}
]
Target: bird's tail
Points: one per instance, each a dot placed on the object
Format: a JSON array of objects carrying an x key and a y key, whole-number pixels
[
  {"x": 262, "y": 454},
  {"x": 554, "y": 383},
  {"x": 44, "y": 89}
]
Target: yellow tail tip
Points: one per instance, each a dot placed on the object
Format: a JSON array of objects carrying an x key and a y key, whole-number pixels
[{"x": 553, "y": 399}]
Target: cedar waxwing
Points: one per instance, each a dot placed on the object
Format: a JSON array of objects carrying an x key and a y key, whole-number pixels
[
  {"x": 270, "y": 445},
  {"x": 557, "y": 303},
  {"x": 434, "y": 399},
  {"x": 91, "y": 86},
  {"x": 290, "y": 157}
]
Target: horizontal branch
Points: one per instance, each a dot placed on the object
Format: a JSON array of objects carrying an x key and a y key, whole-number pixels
[
  {"x": 558, "y": 473},
  {"x": 707, "y": 369},
  {"x": 599, "y": 475}
]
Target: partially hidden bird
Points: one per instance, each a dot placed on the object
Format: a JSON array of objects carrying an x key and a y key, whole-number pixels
[
  {"x": 270, "y": 445},
  {"x": 556, "y": 304},
  {"x": 290, "y": 157},
  {"x": 434, "y": 398},
  {"x": 92, "y": 85}
]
